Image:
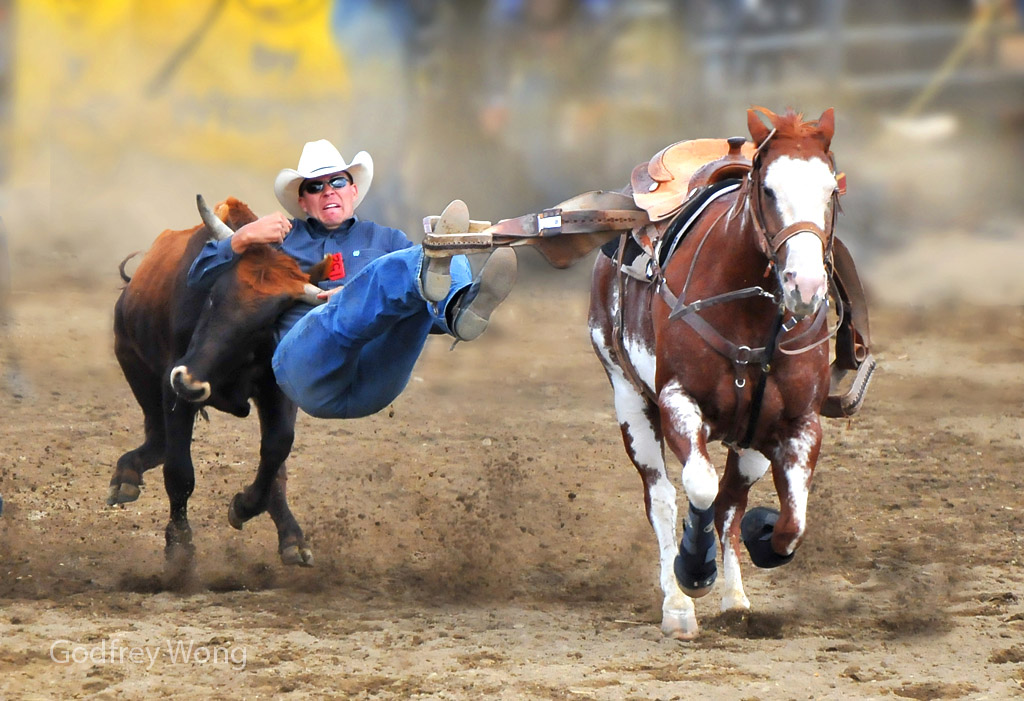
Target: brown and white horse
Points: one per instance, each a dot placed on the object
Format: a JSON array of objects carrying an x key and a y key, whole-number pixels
[{"x": 729, "y": 342}]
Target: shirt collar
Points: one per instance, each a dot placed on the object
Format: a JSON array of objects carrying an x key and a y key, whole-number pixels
[{"x": 318, "y": 229}]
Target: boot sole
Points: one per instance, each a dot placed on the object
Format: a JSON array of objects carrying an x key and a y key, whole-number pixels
[
  {"x": 497, "y": 278},
  {"x": 437, "y": 279}
]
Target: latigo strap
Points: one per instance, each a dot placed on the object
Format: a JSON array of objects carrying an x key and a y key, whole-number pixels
[{"x": 563, "y": 234}]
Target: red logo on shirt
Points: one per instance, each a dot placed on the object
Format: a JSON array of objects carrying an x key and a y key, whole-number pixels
[{"x": 336, "y": 268}]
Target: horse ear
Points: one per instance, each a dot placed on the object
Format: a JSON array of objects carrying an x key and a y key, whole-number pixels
[
  {"x": 757, "y": 128},
  {"x": 827, "y": 126}
]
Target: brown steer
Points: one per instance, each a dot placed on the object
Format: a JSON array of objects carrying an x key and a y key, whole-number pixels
[{"x": 182, "y": 349}]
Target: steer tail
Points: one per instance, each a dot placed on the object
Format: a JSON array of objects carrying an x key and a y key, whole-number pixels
[{"x": 124, "y": 275}]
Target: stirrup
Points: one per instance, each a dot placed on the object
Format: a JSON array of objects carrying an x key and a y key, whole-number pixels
[
  {"x": 841, "y": 405},
  {"x": 444, "y": 244}
]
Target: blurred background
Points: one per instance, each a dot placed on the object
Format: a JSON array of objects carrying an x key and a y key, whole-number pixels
[{"x": 115, "y": 113}]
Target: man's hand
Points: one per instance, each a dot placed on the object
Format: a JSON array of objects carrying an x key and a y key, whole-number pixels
[
  {"x": 271, "y": 228},
  {"x": 326, "y": 294}
]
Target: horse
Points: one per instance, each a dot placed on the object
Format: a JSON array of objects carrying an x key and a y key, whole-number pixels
[{"x": 728, "y": 340}]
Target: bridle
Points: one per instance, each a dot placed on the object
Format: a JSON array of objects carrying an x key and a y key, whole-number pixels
[{"x": 771, "y": 243}]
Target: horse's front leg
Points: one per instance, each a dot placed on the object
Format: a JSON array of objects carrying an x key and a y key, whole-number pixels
[
  {"x": 742, "y": 470},
  {"x": 686, "y": 435},
  {"x": 641, "y": 435},
  {"x": 772, "y": 537}
]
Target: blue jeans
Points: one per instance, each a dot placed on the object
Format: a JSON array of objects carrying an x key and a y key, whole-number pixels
[{"x": 354, "y": 355}]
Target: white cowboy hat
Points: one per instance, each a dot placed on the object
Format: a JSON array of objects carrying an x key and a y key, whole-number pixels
[{"x": 320, "y": 158}]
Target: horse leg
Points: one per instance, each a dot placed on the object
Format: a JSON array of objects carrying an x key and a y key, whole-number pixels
[
  {"x": 126, "y": 480},
  {"x": 742, "y": 470},
  {"x": 641, "y": 435},
  {"x": 179, "y": 478},
  {"x": 684, "y": 432},
  {"x": 267, "y": 491},
  {"x": 772, "y": 537}
]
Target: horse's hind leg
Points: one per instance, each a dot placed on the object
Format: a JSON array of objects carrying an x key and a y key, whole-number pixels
[
  {"x": 741, "y": 472},
  {"x": 641, "y": 434}
]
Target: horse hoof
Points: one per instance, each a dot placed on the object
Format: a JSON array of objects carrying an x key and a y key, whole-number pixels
[
  {"x": 234, "y": 519},
  {"x": 756, "y": 530},
  {"x": 294, "y": 555},
  {"x": 680, "y": 627}
]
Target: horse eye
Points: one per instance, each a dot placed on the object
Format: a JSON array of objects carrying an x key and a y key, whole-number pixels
[{"x": 769, "y": 192}]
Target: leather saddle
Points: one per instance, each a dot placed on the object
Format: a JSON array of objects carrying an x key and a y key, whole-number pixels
[{"x": 662, "y": 184}]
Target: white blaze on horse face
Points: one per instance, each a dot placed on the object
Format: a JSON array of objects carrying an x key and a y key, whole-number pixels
[
  {"x": 700, "y": 481},
  {"x": 802, "y": 190}
]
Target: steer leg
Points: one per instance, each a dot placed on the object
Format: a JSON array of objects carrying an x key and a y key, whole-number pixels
[
  {"x": 179, "y": 478},
  {"x": 291, "y": 543},
  {"x": 268, "y": 490},
  {"x": 126, "y": 480}
]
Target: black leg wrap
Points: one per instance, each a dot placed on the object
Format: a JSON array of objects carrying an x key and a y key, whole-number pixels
[
  {"x": 756, "y": 529},
  {"x": 695, "y": 564}
]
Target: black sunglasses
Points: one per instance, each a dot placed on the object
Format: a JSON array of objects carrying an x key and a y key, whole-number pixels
[{"x": 315, "y": 187}]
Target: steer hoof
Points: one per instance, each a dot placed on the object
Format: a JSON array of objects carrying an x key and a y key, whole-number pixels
[
  {"x": 756, "y": 529},
  {"x": 296, "y": 555},
  {"x": 234, "y": 519},
  {"x": 122, "y": 493}
]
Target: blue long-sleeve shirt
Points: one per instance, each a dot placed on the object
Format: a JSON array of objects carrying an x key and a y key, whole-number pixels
[{"x": 352, "y": 247}]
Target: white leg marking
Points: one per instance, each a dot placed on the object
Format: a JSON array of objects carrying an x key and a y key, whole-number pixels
[
  {"x": 678, "y": 617},
  {"x": 797, "y": 473},
  {"x": 752, "y": 465},
  {"x": 642, "y": 357},
  {"x": 733, "y": 596},
  {"x": 700, "y": 481}
]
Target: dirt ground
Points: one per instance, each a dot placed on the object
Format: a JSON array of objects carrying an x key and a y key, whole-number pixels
[{"x": 486, "y": 538}]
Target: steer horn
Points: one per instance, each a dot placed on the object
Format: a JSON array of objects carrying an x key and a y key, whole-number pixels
[
  {"x": 310, "y": 295},
  {"x": 218, "y": 229}
]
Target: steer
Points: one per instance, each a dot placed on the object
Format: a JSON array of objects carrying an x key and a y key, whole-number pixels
[{"x": 182, "y": 349}]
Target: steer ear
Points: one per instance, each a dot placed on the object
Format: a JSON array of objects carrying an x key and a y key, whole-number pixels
[{"x": 218, "y": 229}]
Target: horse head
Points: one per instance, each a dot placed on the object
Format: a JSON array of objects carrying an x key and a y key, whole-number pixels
[{"x": 793, "y": 196}]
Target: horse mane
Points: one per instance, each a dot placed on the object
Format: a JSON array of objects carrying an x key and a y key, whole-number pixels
[{"x": 790, "y": 126}]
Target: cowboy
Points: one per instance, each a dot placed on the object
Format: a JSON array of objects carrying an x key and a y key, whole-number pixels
[{"x": 353, "y": 356}]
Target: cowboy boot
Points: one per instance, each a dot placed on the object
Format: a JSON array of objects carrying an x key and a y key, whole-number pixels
[
  {"x": 453, "y": 233},
  {"x": 470, "y": 312}
]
